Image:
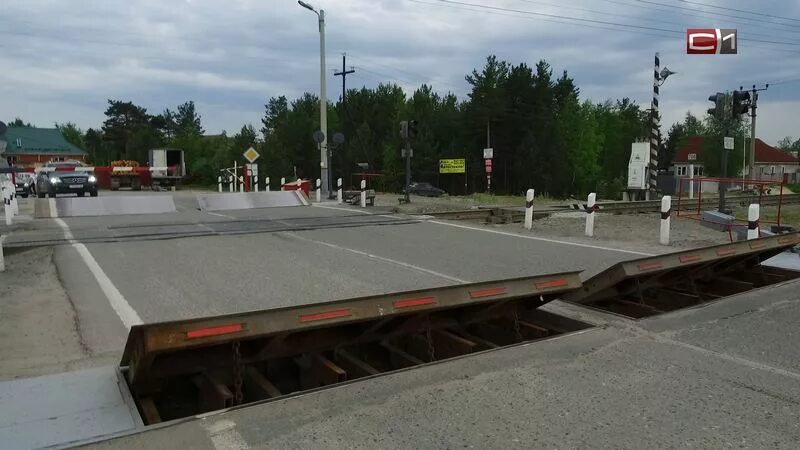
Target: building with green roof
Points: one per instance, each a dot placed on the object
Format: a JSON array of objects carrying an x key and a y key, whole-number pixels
[{"x": 30, "y": 146}]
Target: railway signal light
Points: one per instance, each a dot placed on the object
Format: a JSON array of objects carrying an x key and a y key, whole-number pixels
[
  {"x": 404, "y": 129},
  {"x": 741, "y": 103},
  {"x": 412, "y": 129},
  {"x": 718, "y": 110}
]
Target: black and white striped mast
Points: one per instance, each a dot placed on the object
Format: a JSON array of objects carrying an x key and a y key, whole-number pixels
[
  {"x": 654, "y": 127},
  {"x": 659, "y": 76}
]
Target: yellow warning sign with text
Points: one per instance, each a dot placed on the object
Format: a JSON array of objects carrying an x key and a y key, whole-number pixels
[{"x": 452, "y": 165}]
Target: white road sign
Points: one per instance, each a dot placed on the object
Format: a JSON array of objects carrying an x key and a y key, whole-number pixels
[
  {"x": 488, "y": 153},
  {"x": 728, "y": 143}
]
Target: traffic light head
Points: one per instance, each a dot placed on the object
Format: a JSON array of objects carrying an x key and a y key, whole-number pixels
[
  {"x": 412, "y": 129},
  {"x": 718, "y": 110},
  {"x": 741, "y": 103}
]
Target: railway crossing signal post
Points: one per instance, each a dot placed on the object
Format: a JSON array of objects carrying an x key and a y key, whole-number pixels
[{"x": 408, "y": 132}]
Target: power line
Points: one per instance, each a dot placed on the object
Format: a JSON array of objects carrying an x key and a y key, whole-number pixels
[
  {"x": 595, "y": 21},
  {"x": 706, "y": 14},
  {"x": 424, "y": 78},
  {"x": 614, "y": 14},
  {"x": 738, "y": 10},
  {"x": 684, "y": 8}
]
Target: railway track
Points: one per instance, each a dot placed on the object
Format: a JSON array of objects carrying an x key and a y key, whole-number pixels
[{"x": 508, "y": 214}]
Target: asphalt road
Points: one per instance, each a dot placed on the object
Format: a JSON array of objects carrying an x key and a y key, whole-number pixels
[
  {"x": 322, "y": 254},
  {"x": 708, "y": 377}
]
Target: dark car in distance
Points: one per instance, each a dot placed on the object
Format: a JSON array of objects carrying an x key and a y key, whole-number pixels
[
  {"x": 25, "y": 185},
  {"x": 53, "y": 182},
  {"x": 425, "y": 190}
]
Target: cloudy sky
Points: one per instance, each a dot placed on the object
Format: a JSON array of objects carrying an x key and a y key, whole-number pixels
[{"x": 61, "y": 60}]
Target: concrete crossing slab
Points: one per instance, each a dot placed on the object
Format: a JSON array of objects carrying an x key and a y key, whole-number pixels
[
  {"x": 250, "y": 200},
  {"x": 103, "y": 206}
]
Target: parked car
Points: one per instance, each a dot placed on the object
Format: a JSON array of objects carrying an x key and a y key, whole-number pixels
[
  {"x": 25, "y": 185},
  {"x": 51, "y": 183},
  {"x": 425, "y": 190}
]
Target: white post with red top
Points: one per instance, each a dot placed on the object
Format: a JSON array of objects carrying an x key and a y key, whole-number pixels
[{"x": 590, "y": 207}]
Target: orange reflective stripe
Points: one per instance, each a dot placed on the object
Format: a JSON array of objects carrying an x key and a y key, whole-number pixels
[
  {"x": 480, "y": 293},
  {"x": 326, "y": 315},
  {"x": 411, "y": 302},
  {"x": 559, "y": 282},
  {"x": 650, "y": 266},
  {"x": 214, "y": 331}
]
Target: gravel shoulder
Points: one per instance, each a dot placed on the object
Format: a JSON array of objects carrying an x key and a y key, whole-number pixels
[{"x": 39, "y": 330}]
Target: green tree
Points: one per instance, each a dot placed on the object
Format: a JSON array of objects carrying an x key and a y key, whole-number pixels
[
  {"x": 126, "y": 129},
  {"x": 789, "y": 145},
  {"x": 187, "y": 120},
  {"x": 72, "y": 134},
  {"x": 17, "y": 122}
]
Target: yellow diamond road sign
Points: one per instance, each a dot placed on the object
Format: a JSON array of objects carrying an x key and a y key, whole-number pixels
[{"x": 251, "y": 155}]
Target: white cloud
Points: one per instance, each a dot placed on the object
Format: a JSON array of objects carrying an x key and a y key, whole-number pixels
[{"x": 229, "y": 56}]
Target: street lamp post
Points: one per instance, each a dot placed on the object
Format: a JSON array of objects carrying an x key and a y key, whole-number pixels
[{"x": 323, "y": 100}]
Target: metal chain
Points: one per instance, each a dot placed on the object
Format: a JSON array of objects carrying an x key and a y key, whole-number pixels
[
  {"x": 429, "y": 338},
  {"x": 237, "y": 374},
  {"x": 517, "y": 330}
]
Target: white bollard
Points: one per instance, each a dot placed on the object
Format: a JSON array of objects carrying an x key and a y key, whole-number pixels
[
  {"x": 666, "y": 213},
  {"x": 283, "y": 181},
  {"x": 266, "y": 184},
  {"x": 255, "y": 184},
  {"x": 241, "y": 184},
  {"x": 7, "y": 207},
  {"x": 363, "y": 193},
  {"x": 2, "y": 258},
  {"x": 529, "y": 209},
  {"x": 691, "y": 181},
  {"x": 230, "y": 184},
  {"x": 319, "y": 190},
  {"x": 219, "y": 183},
  {"x": 339, "y": 191},
  {"x": 753, "y": 229},
  {"x": 590, "y": 202},
  {"x": 14, "y": 201}
]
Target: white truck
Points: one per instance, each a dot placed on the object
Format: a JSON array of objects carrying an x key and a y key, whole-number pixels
[{"x": 167, "y": 166}]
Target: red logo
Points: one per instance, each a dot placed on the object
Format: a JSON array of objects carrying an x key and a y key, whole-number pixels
[{"x": 711, "y": 41}]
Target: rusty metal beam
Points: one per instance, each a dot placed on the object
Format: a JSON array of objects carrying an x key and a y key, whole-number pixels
[
  {"x": 317, "y": 370},
  {"x": 149, "y": 411},
  {"x": 448, "y": 345},
  {"x": 212, "y": 394},
  {"x": 401, "y": 359},
  {"x": 257, "y": 385},
  {"x": 355, "y": 367}
]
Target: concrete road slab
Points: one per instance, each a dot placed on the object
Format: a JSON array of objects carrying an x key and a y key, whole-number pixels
[
  {"x": 103, "y": 206},
  {"x": 62, "y": 408},
  {"x": 471, "y": 254},
  {"x": 185, "y": 278},
  {"x": 250, "y": 200}
]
